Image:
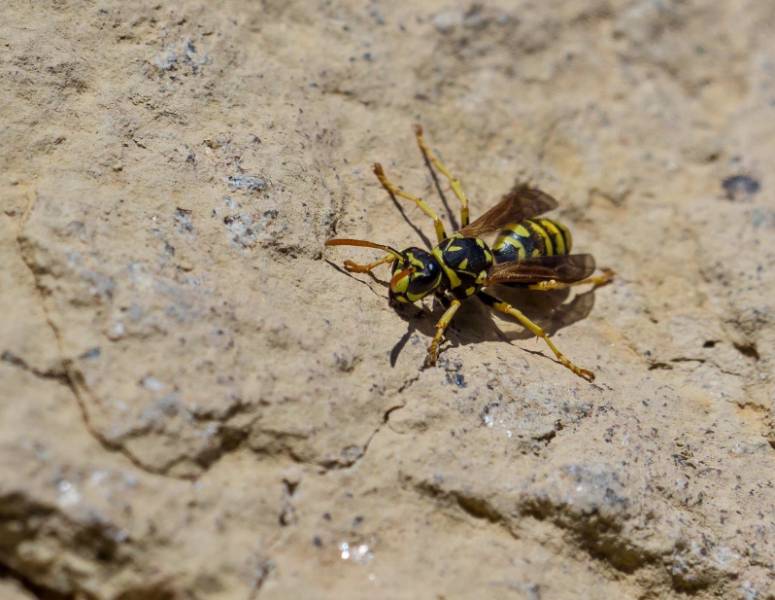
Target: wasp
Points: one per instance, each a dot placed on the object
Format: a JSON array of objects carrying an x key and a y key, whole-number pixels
[{"x": 529, "y": 251}]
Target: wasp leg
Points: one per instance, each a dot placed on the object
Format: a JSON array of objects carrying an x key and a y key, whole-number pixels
[
  {"x": 354, "y": 267},
  {"x": 442, "y": 297},
  {"x": 441, "y": 326},
  {"x": 506, "y": 308},
  {"x": 423, "y": 206},
  {"x": 454, "y": 182},
  {"x": 606, "y": 276}
]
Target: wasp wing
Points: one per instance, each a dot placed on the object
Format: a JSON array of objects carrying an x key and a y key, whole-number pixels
[
  {"x": 522, "y": 202},
  {"x": 566, "y": 269}
]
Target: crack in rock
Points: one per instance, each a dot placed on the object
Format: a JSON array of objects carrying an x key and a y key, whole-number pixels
[
  {"x": 360, "y": 452},
  {"x": 57, "y": 374},
  {"x": 69, "y": 376},
  {"x": 597, "y": 525},
  {"x": 475, "y": 506}
]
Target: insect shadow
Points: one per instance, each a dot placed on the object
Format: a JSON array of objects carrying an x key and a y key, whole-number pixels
[{"x": 551, "y": 310}]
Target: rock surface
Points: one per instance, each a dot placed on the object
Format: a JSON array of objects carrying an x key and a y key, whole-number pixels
[{"x": 197, "y": 402}]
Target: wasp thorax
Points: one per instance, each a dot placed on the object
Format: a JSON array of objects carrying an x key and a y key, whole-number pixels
[{"x": 415, "y": 275}]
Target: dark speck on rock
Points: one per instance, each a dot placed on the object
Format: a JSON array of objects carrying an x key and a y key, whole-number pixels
[
  {"x": 453, "y": 374},
  {"x": 183, "y": 220},
  {"x": 740, "y": 187},
  {"x": 377, "y": 16},
  {"x": 247, "y": 182},
  {"x": 457, "y": 379},
  {"x": 91, "y": 353}
]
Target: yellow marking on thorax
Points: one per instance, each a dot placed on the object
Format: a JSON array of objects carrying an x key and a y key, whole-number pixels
[{"x": 454, "y": 280}]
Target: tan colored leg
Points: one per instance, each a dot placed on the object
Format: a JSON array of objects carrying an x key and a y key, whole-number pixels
[
  {"x": 441, "y": 326},
  {"x": 506, "y": 308},
  {"x": 454, "y": 182},
  {"x": 544, "y": 286},
  {"x": 354, "y": 267},
  {"x": 422, "y": 205}
]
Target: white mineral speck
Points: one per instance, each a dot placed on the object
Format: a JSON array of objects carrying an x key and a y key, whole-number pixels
[
  {"x": 444, "y": 22},
  {"x": 98, "y": 477},
  {"x": 153, "y": 384},
  {"x": 344, "y": 550},
  {"x": 359, "y": 554},
  {"x": 68, "y": 494},
  {"x": 116, "y": 331}
]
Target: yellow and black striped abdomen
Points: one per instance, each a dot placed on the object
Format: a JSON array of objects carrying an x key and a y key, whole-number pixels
[{"x": 532, "y": 237}]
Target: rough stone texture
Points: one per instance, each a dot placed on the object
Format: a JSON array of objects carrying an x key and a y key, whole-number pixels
[{"x": 197, "y": 403}]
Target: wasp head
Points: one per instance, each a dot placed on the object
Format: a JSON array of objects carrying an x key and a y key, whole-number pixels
[{"x": 415, "y": 274}]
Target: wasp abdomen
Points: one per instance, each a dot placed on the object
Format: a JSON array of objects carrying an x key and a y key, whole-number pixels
[{"x": 532, "y": 237}]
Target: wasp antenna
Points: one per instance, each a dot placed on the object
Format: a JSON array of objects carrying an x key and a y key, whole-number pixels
[{"x": 364, "y": 243}]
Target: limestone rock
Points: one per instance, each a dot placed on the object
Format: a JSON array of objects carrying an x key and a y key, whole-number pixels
[{"x": 197, "y": 401}]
